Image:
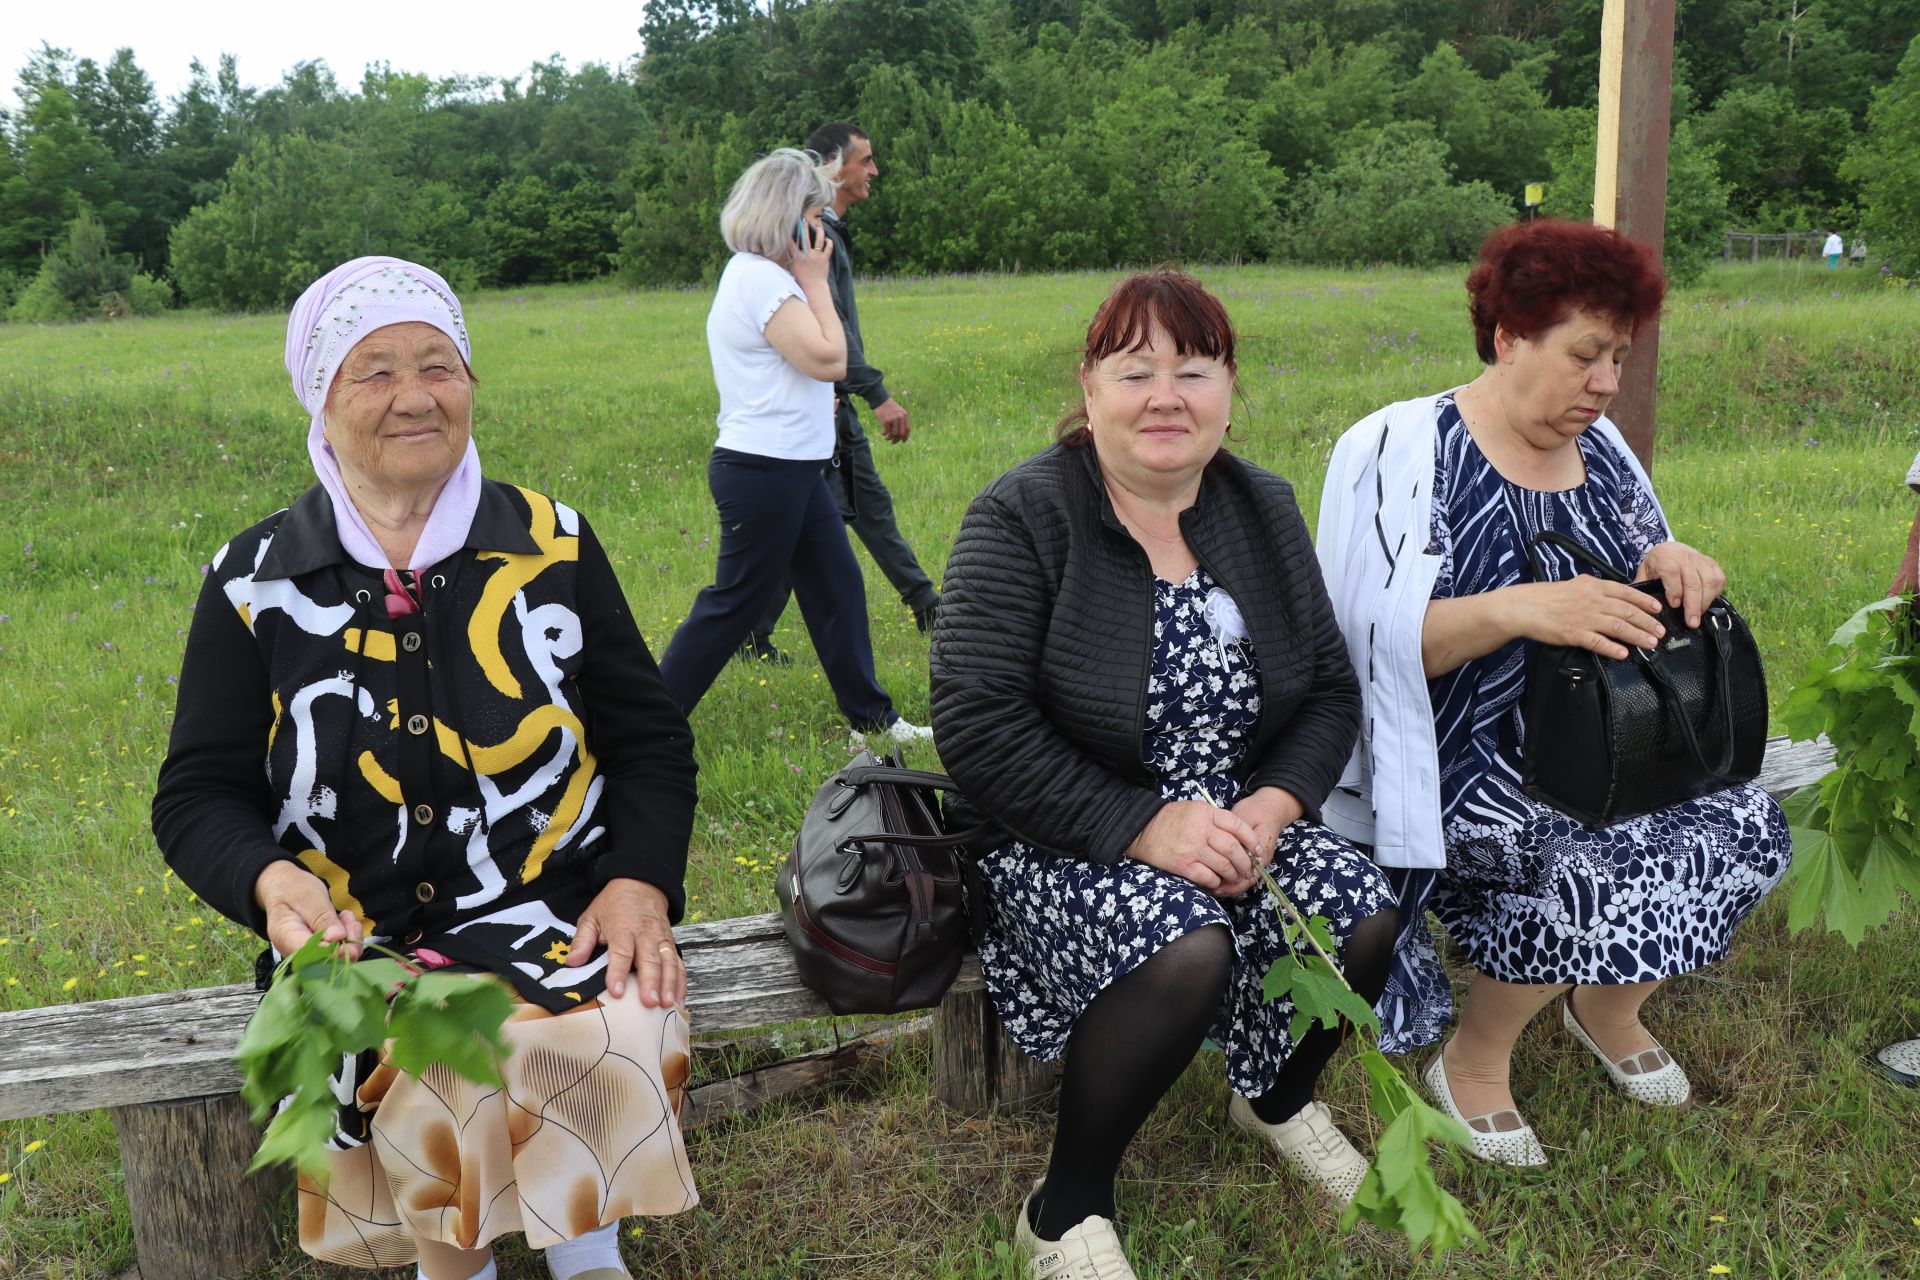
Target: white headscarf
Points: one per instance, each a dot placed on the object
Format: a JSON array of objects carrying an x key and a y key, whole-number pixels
[{"x": 329, "y": 320}]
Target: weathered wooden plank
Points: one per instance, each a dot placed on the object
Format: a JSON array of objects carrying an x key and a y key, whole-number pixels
[
  {"x": 154, "y": 1048},
  {"x": 112, "y": 1053}
]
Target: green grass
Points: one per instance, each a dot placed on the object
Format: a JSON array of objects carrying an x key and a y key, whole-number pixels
[{"x": 1790, "y": 406}]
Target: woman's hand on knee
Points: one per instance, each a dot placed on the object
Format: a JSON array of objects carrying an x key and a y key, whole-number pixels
[
  {"x": 1211, "y": 847},
  {"x": 629, "y": 917}
]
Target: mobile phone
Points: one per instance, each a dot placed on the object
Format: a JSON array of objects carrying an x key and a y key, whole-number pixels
[{"x": 801, "y": 240}]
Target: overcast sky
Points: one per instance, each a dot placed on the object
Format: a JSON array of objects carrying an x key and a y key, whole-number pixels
[{"x": 484, "y": 38}]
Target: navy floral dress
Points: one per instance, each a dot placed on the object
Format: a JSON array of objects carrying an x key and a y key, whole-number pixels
[
  {"x": 1528, "y": 893},
  {"x": 1060, "y": 929}
]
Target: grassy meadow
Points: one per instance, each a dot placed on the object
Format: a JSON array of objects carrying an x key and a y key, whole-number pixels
[{"x": 1789, "y": 410}]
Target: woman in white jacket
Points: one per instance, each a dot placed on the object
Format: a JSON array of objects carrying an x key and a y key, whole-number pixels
[{"x": 1425, "y": 521}]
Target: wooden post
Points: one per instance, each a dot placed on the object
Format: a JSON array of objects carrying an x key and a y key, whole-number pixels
[
  {"x": 976, "y": 1065},
  {"x": 1630, "y": 174},
  {"x": 196, "y": 1214}
]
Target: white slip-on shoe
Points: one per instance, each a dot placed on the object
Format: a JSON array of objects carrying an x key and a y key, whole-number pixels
[
  {"x": 1311, "y": 1146},
  {"x": 1513, "y": 1144},
  {"x": 1650, "y": 1076},
  {"x": 1089, "y": 1250},
  {"x": 1900, "y": 1062}
]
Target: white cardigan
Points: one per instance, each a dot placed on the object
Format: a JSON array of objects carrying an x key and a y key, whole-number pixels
[{"x": 1376, "y": 510}]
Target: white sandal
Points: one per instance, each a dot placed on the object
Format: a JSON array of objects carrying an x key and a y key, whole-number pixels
[
  {"x": 1515, "y": 1145},
  {"x": 1650, "y": 1076},
  {"x": 1310, "y": 1145}
]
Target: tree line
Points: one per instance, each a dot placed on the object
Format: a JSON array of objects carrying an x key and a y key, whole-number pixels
[{"x": 1011, "y": 134}]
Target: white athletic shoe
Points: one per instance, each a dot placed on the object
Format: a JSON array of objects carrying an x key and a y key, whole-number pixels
[
  {"x": 1311, "y": 1146},
  {"x": 1088, "y": 1251},
  {"x": 898, "y": 734}
]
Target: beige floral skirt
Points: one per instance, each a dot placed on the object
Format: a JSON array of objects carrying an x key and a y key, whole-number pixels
[{"x": 585, "y": 1132}]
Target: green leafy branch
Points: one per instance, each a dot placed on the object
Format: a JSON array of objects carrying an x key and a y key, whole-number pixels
[
  {"x": 1399, "y": 1192},
  {"x": 322, "y": 1007},
  {"x": 1856, "y": 832}
]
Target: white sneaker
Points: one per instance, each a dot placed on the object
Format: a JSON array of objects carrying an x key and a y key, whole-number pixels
[
  {"x": 1088, "y": 1251},
  {"x": 898, "y": 734},
  {"x": 1499, "y": 1136},
  {"x": 1310, "y": 1145},
  {"x": 1650, "y": 1076}
]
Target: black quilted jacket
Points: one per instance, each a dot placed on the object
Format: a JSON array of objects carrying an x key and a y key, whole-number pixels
[{"x": 1044, "y": 640}]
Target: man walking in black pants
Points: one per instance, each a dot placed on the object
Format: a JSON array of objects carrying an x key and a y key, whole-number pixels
[{"x": 855, "y": 481}]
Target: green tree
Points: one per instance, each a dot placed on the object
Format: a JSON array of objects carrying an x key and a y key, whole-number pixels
[
  {"x": 83, "y": 278},
  {"x": 1887, "y": 168},
  {"x": 1391, "y": 197}
]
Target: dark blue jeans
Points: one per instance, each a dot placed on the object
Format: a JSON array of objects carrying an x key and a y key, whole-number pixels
[
  {"x": 866, "y": 504},
  {"x": 779, "y": 524}
]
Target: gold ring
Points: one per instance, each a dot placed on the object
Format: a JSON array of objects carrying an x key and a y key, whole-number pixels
[{"x": 668, "y": 946}]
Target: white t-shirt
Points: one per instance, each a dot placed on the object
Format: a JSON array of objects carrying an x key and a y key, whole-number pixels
[
  {"x": 767, "y": 406},
  {"x": 1834, "y": 245}
]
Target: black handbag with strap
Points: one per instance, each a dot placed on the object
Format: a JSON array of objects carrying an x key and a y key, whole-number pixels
[
  {"x": 1612, "y": 738},
  {"x": 877, "y": 897}
]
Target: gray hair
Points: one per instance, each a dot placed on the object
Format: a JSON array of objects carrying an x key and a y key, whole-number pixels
[{"x": 769, "y": 198}]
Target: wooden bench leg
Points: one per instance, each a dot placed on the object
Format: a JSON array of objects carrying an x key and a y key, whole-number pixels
[
  {"x": 196, "y": 1214},
  {"x": 976, "y": 1064}
]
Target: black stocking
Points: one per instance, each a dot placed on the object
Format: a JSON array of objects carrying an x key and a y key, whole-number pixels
[
  {"x": 1127, "y": 1049},
  {"x": 1365, "y": 960}
]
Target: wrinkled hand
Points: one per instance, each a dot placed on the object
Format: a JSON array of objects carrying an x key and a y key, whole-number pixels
[
  {"x": 1693, "y": 579},
  {"x": 1211, "y": 847},
  {"x": 893, "y": 421},
  {"x": 1587, "y": 612},
  {"x": 298, "y": 906},
  {"x": 1269, "y": 811},
  {"x": 629, "y": 917}
]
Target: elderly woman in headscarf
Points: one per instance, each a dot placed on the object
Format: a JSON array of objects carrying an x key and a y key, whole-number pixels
[{"x": 415, "y": 708}]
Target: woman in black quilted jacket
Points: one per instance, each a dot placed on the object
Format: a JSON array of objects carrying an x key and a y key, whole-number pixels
[{"x": 1138, "y": 677}]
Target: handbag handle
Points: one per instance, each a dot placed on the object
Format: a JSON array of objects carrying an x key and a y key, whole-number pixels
[
  {"x": 860, "y": 775},
  {"x": 945, "y": 840},
  {"x": 1649, "y": 662},
  {"x": 1573, "y": 549}
]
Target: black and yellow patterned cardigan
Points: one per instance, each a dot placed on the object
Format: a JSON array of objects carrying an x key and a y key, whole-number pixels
[{"x": 465, "y": 778}]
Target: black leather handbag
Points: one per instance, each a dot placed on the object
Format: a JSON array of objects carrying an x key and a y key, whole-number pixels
[
  {"x": 1611, "y": 738},
  {"x": 876, "y": 895}
]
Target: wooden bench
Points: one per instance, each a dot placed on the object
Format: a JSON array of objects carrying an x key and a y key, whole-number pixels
[{"x": 162, "y": 1065}]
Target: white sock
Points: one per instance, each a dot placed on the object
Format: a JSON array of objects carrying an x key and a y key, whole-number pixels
[
  {"x": 595, "y": 1249},
  {"x": 485, "y": 1273}
]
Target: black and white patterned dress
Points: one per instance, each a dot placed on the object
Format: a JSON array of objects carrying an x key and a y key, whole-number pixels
[
  {"x": 1060, "y": 929},
  {"x": 1528, "y": 893}
]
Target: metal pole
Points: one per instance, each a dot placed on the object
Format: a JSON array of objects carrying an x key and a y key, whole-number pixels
[{"x": 1630, "y": 174}]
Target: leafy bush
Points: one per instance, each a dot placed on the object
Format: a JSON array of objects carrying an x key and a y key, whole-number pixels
[
  {"x": 1696, "y": 197},
  {"x": 83, "y": 280},
  {"x": 1887, "y": 167},
  {"x": 1391, "y": 197}
]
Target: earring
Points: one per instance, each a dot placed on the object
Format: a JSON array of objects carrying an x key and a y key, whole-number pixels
[{"x": 1229, "y": 426}]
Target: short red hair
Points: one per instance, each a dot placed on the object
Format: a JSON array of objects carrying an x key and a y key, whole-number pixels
[
  {"x": 1533, "y": 275},
  {"x": 1175, "y": 301}
]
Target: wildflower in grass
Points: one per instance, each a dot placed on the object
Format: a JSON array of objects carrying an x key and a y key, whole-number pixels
[
  {"x": 5, "y": 1177},
  {"x": 1717, "y": 1217},
  {"x": 1719, "y": 1269},
  {"x": 70, "y": 984},
  {"x": 139, "y": 956},
  {"x": 34, "y": 1146}
]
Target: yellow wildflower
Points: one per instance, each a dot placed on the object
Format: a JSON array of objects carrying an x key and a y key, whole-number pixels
[
  {"x": 70, "y": 984},
  {"x": 1718, "y": 1217},
  {"x": 5, "y": 1177},
  {"x": 34, "y": 1146},
  {"x": 1719, "y": 1269}
]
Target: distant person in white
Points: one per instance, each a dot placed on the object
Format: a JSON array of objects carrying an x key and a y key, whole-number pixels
[
  {"x": 1835, "y": 248},
  {"x": 1900, "y": 1061},
  {"x": 778, "y": 347}
]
